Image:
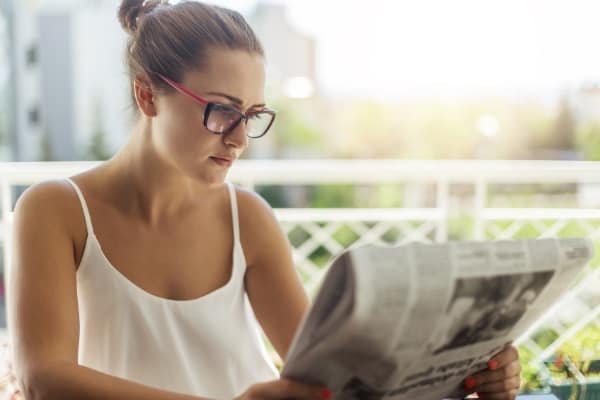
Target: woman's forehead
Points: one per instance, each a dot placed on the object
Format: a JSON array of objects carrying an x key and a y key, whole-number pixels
[{"x": 236, "y": 73}]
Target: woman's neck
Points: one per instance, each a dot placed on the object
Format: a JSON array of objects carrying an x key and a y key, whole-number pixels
[{"x": 148, "y": 184}]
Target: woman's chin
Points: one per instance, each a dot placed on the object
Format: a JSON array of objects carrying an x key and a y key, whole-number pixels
[{"x": 209, "y": 177}]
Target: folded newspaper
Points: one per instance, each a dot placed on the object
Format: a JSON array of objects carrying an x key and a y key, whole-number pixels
[{"x": 412, "y": 321}]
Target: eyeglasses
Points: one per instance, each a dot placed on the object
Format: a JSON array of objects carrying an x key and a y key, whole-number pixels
[{"x": 223, "y": 118}]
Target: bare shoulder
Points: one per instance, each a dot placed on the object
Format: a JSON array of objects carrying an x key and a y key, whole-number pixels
[
  {"x": 50, "y": 202},
  {"x": 252, "y": 205},
  {"x": 49, "y": 195},
  {"x": 259, "y": 228}
]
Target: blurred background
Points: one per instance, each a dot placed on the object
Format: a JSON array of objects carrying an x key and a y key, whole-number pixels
[
  {"x": 380, "y": 79},
  {"x": 471, "y": 120}
]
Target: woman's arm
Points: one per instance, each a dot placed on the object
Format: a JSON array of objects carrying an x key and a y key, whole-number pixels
[{"x": 273, "y": 286}]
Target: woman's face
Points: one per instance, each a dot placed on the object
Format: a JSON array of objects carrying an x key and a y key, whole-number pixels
[{"x": 230, "y": 77}]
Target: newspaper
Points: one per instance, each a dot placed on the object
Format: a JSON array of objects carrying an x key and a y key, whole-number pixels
[{"x": 412, "y": 321}]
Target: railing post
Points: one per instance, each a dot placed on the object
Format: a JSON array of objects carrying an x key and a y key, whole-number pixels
[{"x": 479, "y": 206}]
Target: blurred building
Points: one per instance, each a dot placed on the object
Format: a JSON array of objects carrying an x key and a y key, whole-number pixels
[
  {"x": 5, "y": 87},
  {"x": 291, "y": 65},
  {"x": 69, "y": 81},
  {"x": 290, "y": 53}
]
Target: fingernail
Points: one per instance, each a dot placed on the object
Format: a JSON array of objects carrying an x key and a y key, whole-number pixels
[
  {"x": 326, "y": 394},
  {"x": 493, "y": 364},
  {"x": 470, "y": 382}
]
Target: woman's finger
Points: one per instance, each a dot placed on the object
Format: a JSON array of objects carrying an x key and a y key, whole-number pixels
[
  {"x": 505, "y": 357},
  {"x": 506, "y": 385},
  {"x": 497, "y": 375}
]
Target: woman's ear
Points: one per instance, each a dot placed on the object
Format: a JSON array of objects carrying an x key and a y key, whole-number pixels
[{"x": 144, "y": 97}]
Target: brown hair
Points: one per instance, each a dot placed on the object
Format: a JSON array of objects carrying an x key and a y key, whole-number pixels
[{"x": 170, "y": 39}]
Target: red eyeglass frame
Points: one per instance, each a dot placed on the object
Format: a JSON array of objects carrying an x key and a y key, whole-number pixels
[{"x": 243, "y": 116}]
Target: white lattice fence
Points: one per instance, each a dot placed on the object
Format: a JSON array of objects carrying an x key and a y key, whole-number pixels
[
  {"x": 317, "y": 236},
  {"x": 580, "y": 308}
]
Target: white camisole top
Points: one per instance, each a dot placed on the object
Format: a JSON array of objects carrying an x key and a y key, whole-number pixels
[{"x": 209, "y": 346}]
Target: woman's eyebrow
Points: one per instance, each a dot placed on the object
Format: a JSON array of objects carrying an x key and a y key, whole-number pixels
[{"x": 234, "y": 100}]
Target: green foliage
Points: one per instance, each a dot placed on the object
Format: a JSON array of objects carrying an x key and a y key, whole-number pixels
[
  {"x": 562, "y": 134},
  {"x": 293, "y": 128},
  {"x": 583, "y": 347},
  {"x": 273, "y": 194},
  {"x": 460, "y": 227},
  {"x": 388, "y": 196},
  {"x": 320, "y": 256},
  {"x": 297, "y": 236},
  {"x": 588, "y": 141},
  {"x": 97, "y": 149},
  {"x": 356, "y": 196},
  {"x": 545, "y": 338},
  {"x": 530, "y": 380},
  {"x": 46, "y": 153},
  {"x": 345, "y": 236},
  {"x": 336, "y": 196},
  {"x": 438, "y": 129},
  {"x": 424, "y": 128}
]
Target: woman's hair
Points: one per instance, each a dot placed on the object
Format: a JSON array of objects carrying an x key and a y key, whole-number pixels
[{"x": 170, "y": 39}]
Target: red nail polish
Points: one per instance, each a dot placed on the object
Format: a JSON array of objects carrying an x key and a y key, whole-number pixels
[
  {"x": 326, "y": 394},
  {"x": 492, "y": 364},
  {"x": 470, "y": 382}
]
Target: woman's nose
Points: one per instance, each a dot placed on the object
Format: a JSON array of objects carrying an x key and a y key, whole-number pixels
[{"x": 237, "y": 136}]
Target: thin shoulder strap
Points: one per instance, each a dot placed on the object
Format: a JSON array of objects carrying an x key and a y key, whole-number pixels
[
  {"x": 84, "y": 207},
  {"x": 234, "y": 212}
]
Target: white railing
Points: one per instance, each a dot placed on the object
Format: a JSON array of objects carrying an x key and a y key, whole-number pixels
[{"x": 315, "y": 233}]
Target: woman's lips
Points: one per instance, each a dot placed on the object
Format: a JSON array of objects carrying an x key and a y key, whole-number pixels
[{"x": 224, "y": 162}]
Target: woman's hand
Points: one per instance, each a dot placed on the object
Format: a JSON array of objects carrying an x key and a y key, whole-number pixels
[
  {"x": 501, "y": 380},
  {"x": 285, "y": 389}
]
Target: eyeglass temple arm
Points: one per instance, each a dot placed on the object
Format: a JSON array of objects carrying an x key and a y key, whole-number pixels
[{"x": 183, "y": 90}]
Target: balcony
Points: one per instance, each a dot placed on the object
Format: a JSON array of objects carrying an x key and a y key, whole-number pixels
[{"x": 433, "y": 201}]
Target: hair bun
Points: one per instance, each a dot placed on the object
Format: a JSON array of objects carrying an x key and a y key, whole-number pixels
[{"x": 131, "y": 10}]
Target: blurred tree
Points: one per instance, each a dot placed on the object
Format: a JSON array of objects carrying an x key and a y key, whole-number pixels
[
  {"x": 332, "y": 196},
  {"x": 46, "y": 153},
  {"x": 588, "y": 141},
  {"x": 563, "y": 136},
  {"x": 417, "y": 129},
  {"x": 423, "y": 128},
  {"x": 295, "y": 130},
  {"x": 368, "y": 129},
  {"x": 97, "y": 149},
  {"x": 558, "y": 133}
]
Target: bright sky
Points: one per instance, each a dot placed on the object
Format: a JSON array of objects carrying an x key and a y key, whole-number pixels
[{"x": 405, "y": 47}]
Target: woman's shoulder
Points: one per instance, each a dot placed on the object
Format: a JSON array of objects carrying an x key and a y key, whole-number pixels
[
  {"x": 53, "y": 194},
  {"x": 50, "y": 202},
  {"x": 252, "y": 207},
  {"x": 249, "y": 199},
  {"x": 259, "y": 227}
]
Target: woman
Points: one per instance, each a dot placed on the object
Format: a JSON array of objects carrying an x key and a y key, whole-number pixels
[{"x": 132, "y": 280}]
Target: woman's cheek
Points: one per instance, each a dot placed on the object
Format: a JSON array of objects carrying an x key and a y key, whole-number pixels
[{"x": 177, "y": 141}]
